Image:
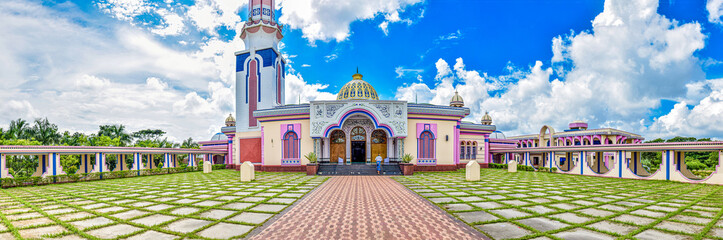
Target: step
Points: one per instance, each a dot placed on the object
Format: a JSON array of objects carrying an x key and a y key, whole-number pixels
[{"x": 357, "y": 169}]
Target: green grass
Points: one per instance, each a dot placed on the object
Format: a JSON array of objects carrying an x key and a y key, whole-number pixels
[
  {"x": 52, "y": 205},
  {"x": 699, "y": 205}
]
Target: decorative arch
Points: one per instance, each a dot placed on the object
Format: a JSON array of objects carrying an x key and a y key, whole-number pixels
[
  {"x": 291, "y": 145},
  {"x": 427, "y": 145},
  {"x": 546, "y": 129},
  {"x": 359, "y": 111}
]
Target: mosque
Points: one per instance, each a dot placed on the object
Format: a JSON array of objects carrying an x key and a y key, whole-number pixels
[{"x": 357, "y": 127}]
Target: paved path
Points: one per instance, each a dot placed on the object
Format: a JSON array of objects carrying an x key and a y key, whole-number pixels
[{"x": 366, "y": 207}]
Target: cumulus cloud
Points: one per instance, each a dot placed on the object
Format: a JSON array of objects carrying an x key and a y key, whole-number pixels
[
  {"x": 610, "y": 76},
  {"x": 85, "y": 77},
  {"x": 329, "y": 20},
  {"x": 298, "y": 90},
  {"x": 715, "y": 11}
]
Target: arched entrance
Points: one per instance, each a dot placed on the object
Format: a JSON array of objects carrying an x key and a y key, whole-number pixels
[
  {"x": 338, "y": 146},
  {"x": 379, "y": 144},
  {"x": 358, "y": 144}
]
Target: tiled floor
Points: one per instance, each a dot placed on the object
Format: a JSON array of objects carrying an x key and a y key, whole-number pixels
[
  {"x": 529, "y": 205},
  {"x": 184, "y": 205},
  {"x": 365, "y": 207}
]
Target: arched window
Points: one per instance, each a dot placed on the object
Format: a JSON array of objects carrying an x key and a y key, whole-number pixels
[
  {"x": 461, "y": 150},
  {"x": 426, "y": 145},
  {"x": 474, "y": 150},
  {"x": 358, "y": 134},
  {"x": 469, "y": 150},
  {"x": 291, "y": 145}
]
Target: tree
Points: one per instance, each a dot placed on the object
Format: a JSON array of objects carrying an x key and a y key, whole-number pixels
[
  {"x": 19, "y": 129},
  {"x": 46, "y": 132},
  {"x": 712, "y": 160},
  {"x": 681, "y": 139},
  {"x": 116, "y": 131},
  {"x": 104, "y": 141},
  {"x": 189, "y": 143},
  {"x": 148, "y": 134},
  {"x": 76, "y": 139}
]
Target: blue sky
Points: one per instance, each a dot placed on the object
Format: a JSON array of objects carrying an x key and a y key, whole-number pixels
[{"x": 643, "y": 66}]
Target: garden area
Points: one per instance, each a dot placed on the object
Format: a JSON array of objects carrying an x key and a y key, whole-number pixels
[
  {"x": 185, "y": 205},
  {"x": 540, "y": 205}
]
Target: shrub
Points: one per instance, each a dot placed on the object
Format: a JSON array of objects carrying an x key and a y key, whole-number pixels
[
  {"x": 219, "y": 166},
  {"x": 407, "y": 158},
  {"x": 311, "y": 157}
]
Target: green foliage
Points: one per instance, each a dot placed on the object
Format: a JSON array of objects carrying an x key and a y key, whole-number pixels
[
  {"x": 70, "y": 163},
  {"x": 497, "y": 165},
  {"x": 160, "y": 165},
  {"x": 23, "y": 166},
  {"x": 46, "y": 132},
  {"x": 407, "y": 158},
  {"x": 111, "y": 161},
  {"x": 311, "y": 157},
  {"x": 116, "y": 131},
  {"x": 190, "y": 144},
  {"x": 148, "y": 134},
  {"x": 104, "y": 141},
  {"x": 693, "y": 163},
  {"x": 218, "y": 166},
  {"x": 712, "y": 160}
]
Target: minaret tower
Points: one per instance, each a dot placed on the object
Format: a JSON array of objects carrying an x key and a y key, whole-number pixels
[{"x": 260, "y": 67}]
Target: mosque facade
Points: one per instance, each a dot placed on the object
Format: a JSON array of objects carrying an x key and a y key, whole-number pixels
[{"x": 357, "y": 127}]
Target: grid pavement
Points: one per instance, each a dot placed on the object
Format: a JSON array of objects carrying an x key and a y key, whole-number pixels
[
  {"x": 365, "y": 207},
  {"x": 536, "y": 205},
  {"x": 175, "y": 206}
]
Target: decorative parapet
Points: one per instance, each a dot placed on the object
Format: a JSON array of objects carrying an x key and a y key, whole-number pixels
[
  {"x": 326, "y": 116},
  {"x": 429, "y": 109}
]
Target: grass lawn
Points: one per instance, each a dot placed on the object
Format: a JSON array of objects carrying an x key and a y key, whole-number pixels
[
  {"x": 185, "y": 205},
  {"x": 535, "y": 205}
]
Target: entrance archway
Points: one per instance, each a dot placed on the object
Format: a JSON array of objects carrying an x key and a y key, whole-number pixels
[
  {"x": 358, "y": 144},
  {"x": 338, "y": 146},
  {"x": 379, "y": 144}
]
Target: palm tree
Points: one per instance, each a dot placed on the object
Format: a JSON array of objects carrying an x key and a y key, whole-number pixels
[
  {"x": 116, "y": 131},
  {"x": 45, "y": 132},
  {"x": 189, "y": 143},
  {"x": 19, "y": 129}
]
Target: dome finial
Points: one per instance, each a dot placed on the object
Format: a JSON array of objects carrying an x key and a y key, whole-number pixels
[
  {"x": 457, "y": 100},
  {"x": 486, "y": 119},
  {"x": 230, "y": 121}
]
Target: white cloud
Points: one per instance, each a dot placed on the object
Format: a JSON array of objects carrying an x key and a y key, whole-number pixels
[
  {"x": 715, "y": 11},
  {"x": 402, "y": 71},
  {"x": 330, "y": 20},
  {"x": 611, "y": 75},
  {"x": 299, "y": 90},
  {"x": 85, "y": 77},
  {"x": 702, "y": 120},
  {"x": 172, "y": 24},
  {"x": 125, "y": 9}
]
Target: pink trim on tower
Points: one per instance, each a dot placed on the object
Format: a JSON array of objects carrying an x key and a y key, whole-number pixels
[{"x": 253, "y": 92}]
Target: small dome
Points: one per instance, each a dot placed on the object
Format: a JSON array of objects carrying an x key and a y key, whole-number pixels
[
  {"x": 498, "y": 135},
  {"x": 218, "y": 137},
  {"x": 357, "y": 89},
  {"x": 578, "y": 124},
  {"x": 486, "y": 119},
  {"x": 230, "y": 121},
  {"x": 456, "y": 101}
]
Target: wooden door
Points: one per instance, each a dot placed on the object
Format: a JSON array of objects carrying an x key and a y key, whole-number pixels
[
  {"x": 338, "y": 146},
  {"x": 379, "y": 144}
]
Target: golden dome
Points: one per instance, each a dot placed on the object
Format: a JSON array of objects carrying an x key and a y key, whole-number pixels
[
  {"x": 486, "y": 119},
  {"x": 357, "y": 89},
  {"x": 230, "y": 121},
  {"x": 456, "y": 101}
]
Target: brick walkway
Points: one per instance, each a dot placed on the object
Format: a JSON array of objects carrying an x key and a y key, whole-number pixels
[{"x": 366, "y": 207}]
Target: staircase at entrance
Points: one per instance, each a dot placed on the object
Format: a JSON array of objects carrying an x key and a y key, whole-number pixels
[{"x": 358, "y": 169}]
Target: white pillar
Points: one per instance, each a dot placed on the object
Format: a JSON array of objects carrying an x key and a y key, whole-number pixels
[
  {"x": 4, "y": 171},
  {"x": 99, "y": 166}
]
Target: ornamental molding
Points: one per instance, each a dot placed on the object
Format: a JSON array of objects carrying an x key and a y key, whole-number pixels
[{"x": 330, "y": 114}]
